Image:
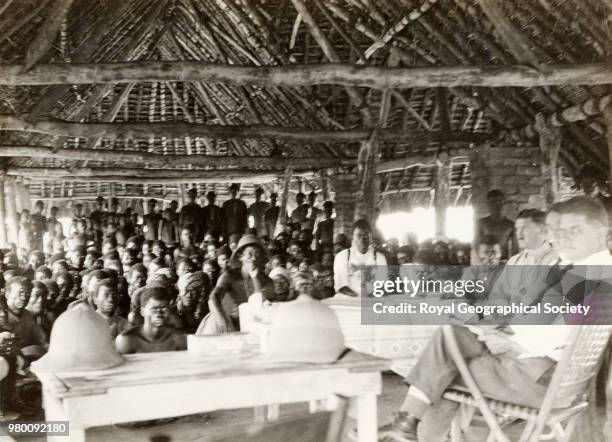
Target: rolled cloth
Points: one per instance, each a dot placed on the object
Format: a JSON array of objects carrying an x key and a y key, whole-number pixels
[{"x": 195, "y": 280}]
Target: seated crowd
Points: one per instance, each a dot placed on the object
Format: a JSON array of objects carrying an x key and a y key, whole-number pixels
[{"x": 157, "y": 277}]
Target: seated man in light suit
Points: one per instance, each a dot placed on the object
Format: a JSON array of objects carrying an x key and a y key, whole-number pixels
[{"x": 515, "y": 366}]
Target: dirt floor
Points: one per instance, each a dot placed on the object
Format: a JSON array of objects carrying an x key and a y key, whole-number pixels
[{"x": 205, "y": 427}]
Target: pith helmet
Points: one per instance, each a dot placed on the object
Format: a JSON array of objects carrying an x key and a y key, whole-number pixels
[
  {"x": 305, "y": 331},
  {"x": 80, "y": 340}
]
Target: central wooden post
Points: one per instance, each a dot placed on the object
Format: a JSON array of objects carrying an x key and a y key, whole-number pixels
[
  {"x": 3, "y": 237},
  {"x": 11, "y": 209},
  {"x": 550, "y": 144},
  {"x": 442, "y": 193},
  {"x": 608, "y": 119},
  {"x": 282, "y": 216}
]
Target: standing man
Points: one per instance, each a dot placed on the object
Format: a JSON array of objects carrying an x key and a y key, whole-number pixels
[
  {"x": 313, "y": 212},
  {"x": 299, "y": 213},
  {"x": 213, "y": 216},
  {"x": 151, "y": 220},
  {"x": 324, "y": 235},
  {"x": 113, "y": 211},
  {"x": 496, "y": 224},
  {"x": 591, "y": 182},
  {"x": 38, "y": 223},
  {"x": 258, "y": 211},
  {"x": 235, "y": 213},
  {"x": 271, "y": 215},
  {"x": 98, "y": 217},
  {"x": 191, "y": 215}
]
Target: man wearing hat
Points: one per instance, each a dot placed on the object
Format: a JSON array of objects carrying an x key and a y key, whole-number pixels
[
  {"x": 244, "y": 277},
  {"x": 235, "y": 213},
  {"x": 213, "y": 216},
  {"x": 258, "y": 211},
  {"x": 191, "y": 215}
]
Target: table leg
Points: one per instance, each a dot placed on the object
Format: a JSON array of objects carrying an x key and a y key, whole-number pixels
[
  {"x": 367, "y": 418},
  {"x": 266, "y": 413},
  {"x": 54, "y": 411}
]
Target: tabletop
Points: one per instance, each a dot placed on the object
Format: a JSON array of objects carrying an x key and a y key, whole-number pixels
[{"x": 181, "y": 366}]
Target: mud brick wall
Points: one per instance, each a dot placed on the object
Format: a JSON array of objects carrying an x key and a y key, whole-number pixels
[{"x": 514, "y": 170}]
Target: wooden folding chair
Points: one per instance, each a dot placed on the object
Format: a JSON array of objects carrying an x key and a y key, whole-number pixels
[
  {"x": 327, "y": 426},
  {"x": 563, "y": 402}
]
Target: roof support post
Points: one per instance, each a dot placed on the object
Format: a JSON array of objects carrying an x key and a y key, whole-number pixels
[
  {"x": 550, "y": 144},
  {"x": 11, "y": 209},
  {"x": 3, "y": 236},
  {"x": 282, "y": 216},
  {"x": 442, "y": 193},
  {"x": 608, "y": 120}
]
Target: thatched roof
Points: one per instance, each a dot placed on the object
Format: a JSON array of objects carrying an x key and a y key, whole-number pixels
[{"x": 404, "y": 33}]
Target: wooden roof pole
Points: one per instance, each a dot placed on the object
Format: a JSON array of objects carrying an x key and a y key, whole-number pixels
[
  {"x": 517, "y": 43},
  {"x": 46, "y": 33},
  {"x": 11, "y": 209},
  {"x": 376, "y": 77},
  {"x": 442, "y": 193},
  {"x": 183, "y": 129},
  {"x": 281, "y": 220},
  {"x": 154, "y": 159},
  {"x": 550, "y": 145},
  {"x": 330, "y": 53}
]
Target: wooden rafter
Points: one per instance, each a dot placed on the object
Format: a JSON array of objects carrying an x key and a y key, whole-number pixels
[
  {"x": 147, "y": 176},
  {"x": 308, "y": 75},
  {"x": 46, "y": 33},
  {"x": 182, "y": 129},
  {"x": 174, "y": 160},
  {"x": 517, "y": 43}
]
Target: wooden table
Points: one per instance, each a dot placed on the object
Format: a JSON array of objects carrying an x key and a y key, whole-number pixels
[{"x": 159, "y": 385}]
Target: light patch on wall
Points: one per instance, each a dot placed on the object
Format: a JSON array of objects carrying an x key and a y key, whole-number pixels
[{"x": 421, "y": 222}]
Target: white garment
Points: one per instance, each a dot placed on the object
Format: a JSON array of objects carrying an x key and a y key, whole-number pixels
[
  {"x": 347, "y": 268},
  {"x": 544, "y": 255},
  {"x": 549, "y": 340}
]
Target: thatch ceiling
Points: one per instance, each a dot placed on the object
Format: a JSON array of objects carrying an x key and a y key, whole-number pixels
[{"x": 270, "y": 32}]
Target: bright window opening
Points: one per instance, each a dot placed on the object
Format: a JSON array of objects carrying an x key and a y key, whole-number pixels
[{"x": 421, "y": 222}]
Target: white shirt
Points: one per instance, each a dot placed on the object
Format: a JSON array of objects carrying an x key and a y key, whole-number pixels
[
  {"x": 544, "y": 255},
  {"x": 347, "y": 268},
  {"x": 549, "y": 340}
]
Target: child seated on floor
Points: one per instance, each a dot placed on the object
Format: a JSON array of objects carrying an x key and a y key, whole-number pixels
[
  {"x": 155, "y": 334},
  {"x": 105, "y": 298}
]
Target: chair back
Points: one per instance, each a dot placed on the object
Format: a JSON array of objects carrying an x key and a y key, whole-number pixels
[{"x": 578, "y": 365}]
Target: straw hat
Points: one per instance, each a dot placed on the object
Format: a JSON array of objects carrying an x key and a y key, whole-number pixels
[{"x": 245, "y": 241}]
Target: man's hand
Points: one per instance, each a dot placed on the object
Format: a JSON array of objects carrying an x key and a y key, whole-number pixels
[
  {"x": 498, "y": 344},
  {"x": 253, "y": 272}
]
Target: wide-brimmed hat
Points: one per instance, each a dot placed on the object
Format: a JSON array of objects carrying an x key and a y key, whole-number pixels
[{"x": 245, "y": 241}]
